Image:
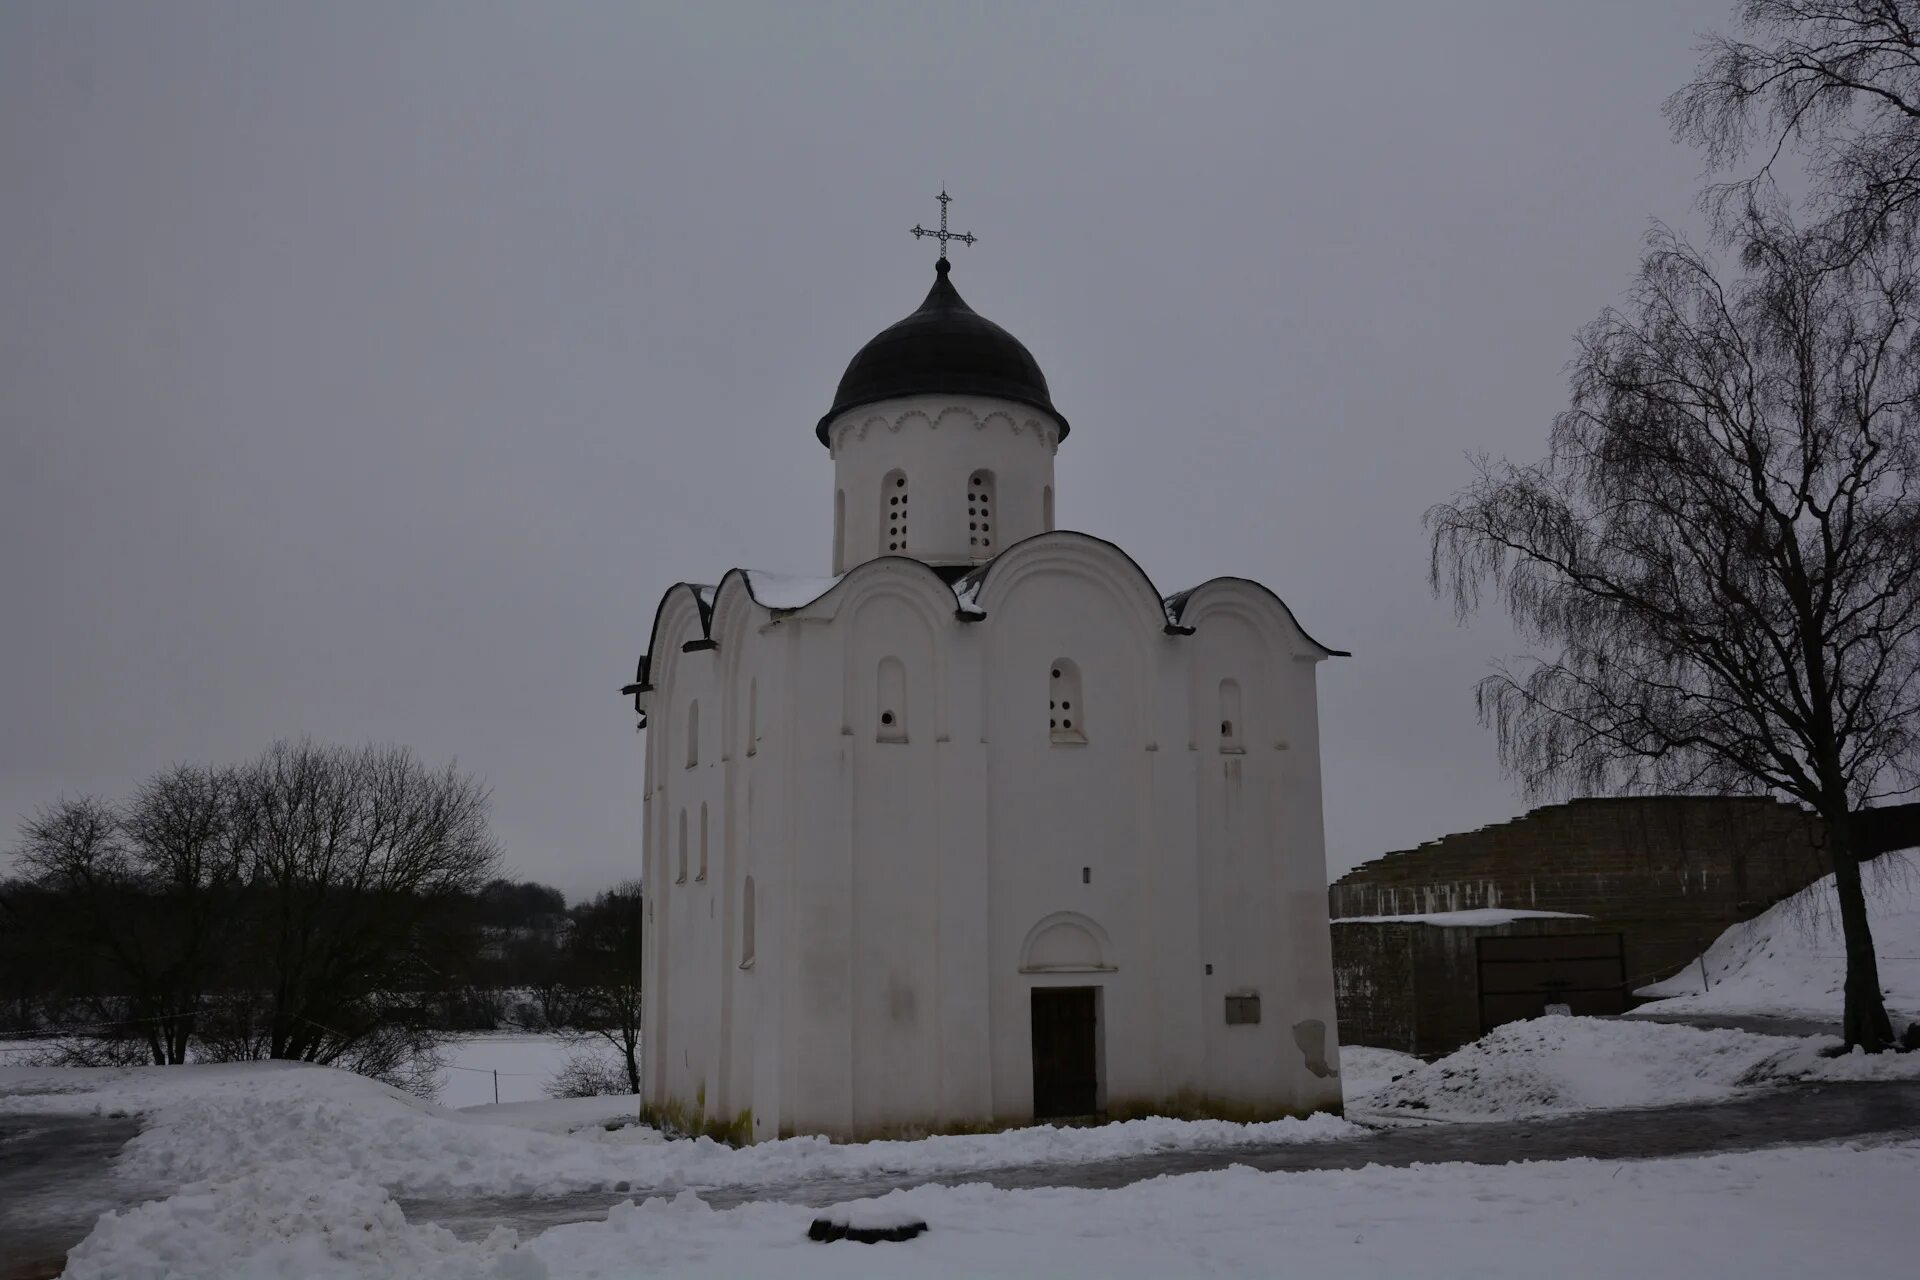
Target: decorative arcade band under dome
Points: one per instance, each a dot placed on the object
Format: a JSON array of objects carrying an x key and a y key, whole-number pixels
[{"x": 945, "y": 347}]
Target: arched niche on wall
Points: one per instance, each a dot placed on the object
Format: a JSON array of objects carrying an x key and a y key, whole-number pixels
[{"x": 1067, "y": 942}]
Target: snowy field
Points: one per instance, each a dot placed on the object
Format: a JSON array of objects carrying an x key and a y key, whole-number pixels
[
  {"x": 526, "y": 1063},
  {"x": 1789, "y": 962},
  {"x": 18, "y": 1053}
]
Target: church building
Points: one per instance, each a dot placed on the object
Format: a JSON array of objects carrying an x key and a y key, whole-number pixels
[{"x": 982, "y": 828}]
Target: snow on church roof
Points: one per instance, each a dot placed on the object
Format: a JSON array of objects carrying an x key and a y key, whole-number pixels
[
  {"x": 1479, "y": 917},
  {"x": 787, "y": 590}
]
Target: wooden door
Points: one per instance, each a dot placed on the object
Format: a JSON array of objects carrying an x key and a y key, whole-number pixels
[{"x": 1066, "y": 1073}]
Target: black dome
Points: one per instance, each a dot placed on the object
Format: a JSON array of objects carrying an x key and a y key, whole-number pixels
[{"x": 947, "y": 347}]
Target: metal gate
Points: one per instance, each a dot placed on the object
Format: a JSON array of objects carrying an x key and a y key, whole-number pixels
[{"x": 1521, "y": 975}]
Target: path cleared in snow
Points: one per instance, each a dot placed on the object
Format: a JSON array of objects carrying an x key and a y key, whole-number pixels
[
  {"x": 1871, "y": 1113},
  {"x": 53, "y": 1186},
  {"x": 206, "y": 1121}
]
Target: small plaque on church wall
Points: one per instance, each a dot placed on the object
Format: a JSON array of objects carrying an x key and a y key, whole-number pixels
[{"x": 1243, "y": 1009}]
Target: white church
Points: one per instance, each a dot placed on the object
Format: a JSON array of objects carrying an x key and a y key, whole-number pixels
[{"x": 982, "y": 829}]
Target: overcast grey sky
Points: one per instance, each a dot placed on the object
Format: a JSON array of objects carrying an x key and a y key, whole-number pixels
[{"x": 368, "y": 370}]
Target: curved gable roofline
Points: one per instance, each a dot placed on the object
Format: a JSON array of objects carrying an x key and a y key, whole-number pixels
[
  {"x": 785, "y": 605},
  {"x": 703, "y": 597},
  {"x": 1177, "y": 607},
  {"x": 706, "y": 601},
  {"x": 1173, "y": 606},
  {"x": 965, "y": 590},
  {"x": 974, "y": 585}
]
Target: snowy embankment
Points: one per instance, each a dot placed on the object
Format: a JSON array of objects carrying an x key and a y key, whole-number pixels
[
  {"x": 1758, "y": 1215},
  {"x": 1561, "y": 1066},
  {"x": 205, "y": 1122},
  {"x": 1789, "y": 961}
]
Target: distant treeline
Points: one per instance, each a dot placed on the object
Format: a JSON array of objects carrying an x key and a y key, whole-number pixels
[{"x": 331, "y": 905}]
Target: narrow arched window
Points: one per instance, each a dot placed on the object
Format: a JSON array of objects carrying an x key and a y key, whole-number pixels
[
  {"x": 703, "y": 842},
  {"x": 893, "y": 506},
  {"x": 890, "y": 706},
  {"x": 680, "y": 876},
  {"x": 746, "y": 924},
  {"x": 982, "y": 513},
  {"x": 693, "y": 733},
  {"x": 1231, "y": 729},
  {"x": 753, "y": 715},
  {"x": 1066, "y": 711},
  {"x": 1046, "y": 509},
  {"x": 839, "y": 530}
]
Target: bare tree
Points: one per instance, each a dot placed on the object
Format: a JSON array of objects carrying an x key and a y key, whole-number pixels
[
  {"x": 1723, "y": 544},
  {"x": 151, "y": 887},
  {"x": 604, "y": 954},
  {"x": 1836, "y": 80},
  {"x": 358, "y": 858}
]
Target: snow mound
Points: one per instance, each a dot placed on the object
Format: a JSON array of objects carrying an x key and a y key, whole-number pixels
[
  {"x": 1364, "y": 1070},
  {"x": 294, "y": 1222},
  {"x": 1789, "y": 961},
  {"x": 1562, "y": 1065}
]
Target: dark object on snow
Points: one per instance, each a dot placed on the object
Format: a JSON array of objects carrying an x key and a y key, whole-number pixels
[
  {"x": 827, "y": 1229},
  {"x": 1910, "y": 1038}
]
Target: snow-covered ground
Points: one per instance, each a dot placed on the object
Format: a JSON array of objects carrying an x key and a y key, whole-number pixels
[
  {"x": 18, "y": 1053},
  {"x": 527, "y": 1063},
  {"x": 204, "y": 1122},
  {"x": 1561, "y": 1065},
  {"x": 1757, "y": 1215},
  {"x": 289, "y": 1170},
  {"x": 1789, "y": 962}
]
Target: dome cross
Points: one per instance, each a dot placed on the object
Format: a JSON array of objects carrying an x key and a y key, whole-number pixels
[{"x": 943, "y": 235}]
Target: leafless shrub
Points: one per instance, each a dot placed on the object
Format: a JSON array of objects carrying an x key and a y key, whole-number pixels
[{"x": 590, "y": 1072}]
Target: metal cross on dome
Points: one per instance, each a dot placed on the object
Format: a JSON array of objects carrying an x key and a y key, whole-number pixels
[{"x": 943, "y": 235}]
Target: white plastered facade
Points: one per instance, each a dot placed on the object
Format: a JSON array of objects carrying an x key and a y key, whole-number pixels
[{"x": 870, "y": 836}]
